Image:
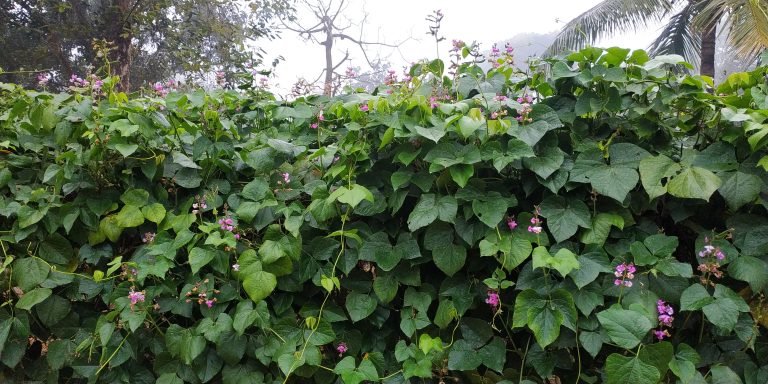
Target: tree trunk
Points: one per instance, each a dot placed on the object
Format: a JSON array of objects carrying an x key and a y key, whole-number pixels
[
  {"x": 708, "y": 38},
  {"x": 120, "y": 35},
  {"x": 328, "y": 85}
]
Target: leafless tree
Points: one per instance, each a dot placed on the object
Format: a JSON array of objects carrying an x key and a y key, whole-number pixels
[{"x": 327, "y": 29}]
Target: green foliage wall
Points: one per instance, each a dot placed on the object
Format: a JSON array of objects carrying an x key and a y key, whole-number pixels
[{"x": 599, "y": 220}]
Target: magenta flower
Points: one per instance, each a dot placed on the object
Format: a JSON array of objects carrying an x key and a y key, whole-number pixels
[
  {"x": 433, "y": 102},
  {"x": 710, "y": 251},
  {"x": 286, "y": 177},
  {"x": 536, "y": 222},
  {"x": 313, "y": 125},
  {"x": 665, "y": 313},
  {"x": 342, "y": 348},
  {"x": 237, "y": 236},
  {"x": 511, "y": 223},
  {"x": 495, "y": 51},
  {"x": 457, "y": 45},
  {"x": 492, "y": 299},
  {"x": 350, "y": 73},
  {"x": 209, "y": 303},
  {"x": 43, "y": 79},
  {"x": 390, "y": 78},
  {"x": 136, "y": 297},
  {"x": 661, "y": 334},
  {"x": 148, "y": 237},
  {"x": 227, "y": 224},
  {"x": 624, "y": 274}
]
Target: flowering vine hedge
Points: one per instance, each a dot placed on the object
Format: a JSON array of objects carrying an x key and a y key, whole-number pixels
[{"x": 602, "y": 219}]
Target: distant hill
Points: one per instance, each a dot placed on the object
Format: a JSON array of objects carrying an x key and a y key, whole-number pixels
[{"x": 527, "y": 45}]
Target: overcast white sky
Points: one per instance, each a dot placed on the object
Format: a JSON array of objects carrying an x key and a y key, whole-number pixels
[{"x": 392, "y": 21}]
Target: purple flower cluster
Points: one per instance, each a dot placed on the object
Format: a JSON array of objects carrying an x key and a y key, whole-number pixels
[
  {"x": 665, "y": 313},
  {"x": 363, "y": 107},
  {"x": 320, "y": 118},
  {"x": 457, "y": 45},
  {"x": 433, "y": 102},
  {"x": 227, "y": 224},
  {"x": 390, "y": 78},
  {"x": 162, "y": 89},
  {"x": 148, "y": 237},
  {"x": 43, "y": 79},
  {"x": 342, "y": 348},
  {"x": 78, "y": 81},
  {"x": 511, "y": 223},
  {"x": 498, "y": 59},
  {"x": 350, "y": 73},
  {"x": 711, "y": 251},
  {"x": 492, "y": 299},
  {"x": 198, "y": 206},
  {"x": 135, "y": 297},
  {"x": 624, "y": 274},
  {"x": 665, "y": 319},
  {"x": 536, "y": 222},
  {"x": 525, "y": 109}
]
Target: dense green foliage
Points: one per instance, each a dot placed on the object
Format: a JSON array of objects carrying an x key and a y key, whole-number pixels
[{"x": 227, "y": 237}]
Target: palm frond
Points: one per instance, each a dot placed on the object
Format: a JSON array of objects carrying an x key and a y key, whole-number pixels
[
  {"x": 607, "y": 18},
  {"x": 679, "y": 37},
  {"x": 745, "y": 22}
]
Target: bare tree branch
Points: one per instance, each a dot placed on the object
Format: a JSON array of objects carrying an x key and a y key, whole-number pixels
[{"x": 326, "y": 30}]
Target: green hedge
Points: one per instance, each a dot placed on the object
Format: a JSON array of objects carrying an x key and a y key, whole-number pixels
[{"x": 481, "y": 227}]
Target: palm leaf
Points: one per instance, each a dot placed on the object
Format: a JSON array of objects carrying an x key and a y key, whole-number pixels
[
  {"x": 745, "y": 22},
  {"x": 607, "y": 18},
  {"x": 679, "y": 37}
]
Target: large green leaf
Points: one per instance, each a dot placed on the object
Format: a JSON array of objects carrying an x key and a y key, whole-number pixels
[
  {"x": 490, "y": 210},
  {"x": 564, "y": 216},
  {"x": 429, "y": 208},
  {"x": 564, "y": 261},
  {"x": 750, "y": 269},
  {"x": 694, "y": 298},
  {"x": 28, "y": 272},
  {"x": 200, "y": 257},
  {"x": 544, "y": 314},
  {"x": 694, "y": 183},
  {"x": 601, "y": 228},
  {"x": 740, "y": 189},
  {"x": 259, "y": 284},
  {"x": 32, "y": 298},
  {"x": 626, "y": 328},
  {"x": 450, "y": 258},
  {"x": 624, "y": 369},
  {"x": 130, "y": 216},
  {"x": 360, "y": 305},
  {"x": 654, "y": 171},
  {"x": 613, "y": 181}
]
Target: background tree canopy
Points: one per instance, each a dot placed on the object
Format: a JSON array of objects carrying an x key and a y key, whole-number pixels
[
  {"x": 691, "y": 29},
  {"x": 151, "y": 40}
]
